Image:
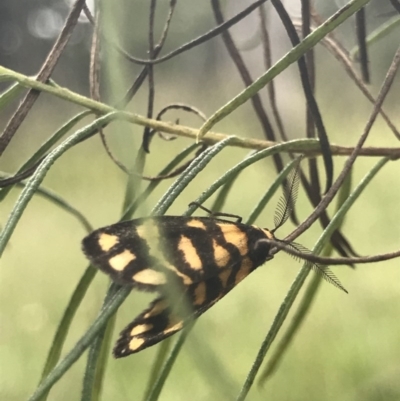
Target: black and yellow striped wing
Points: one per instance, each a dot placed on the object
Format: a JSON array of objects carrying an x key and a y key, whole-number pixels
[
  {"x": 145, "y": 253},
  {"x": 161, "y": 319},
  {"x": 203, "y": 257}
]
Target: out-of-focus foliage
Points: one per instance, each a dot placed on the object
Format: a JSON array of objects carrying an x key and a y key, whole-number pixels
[{"x": 348, "y": 347}]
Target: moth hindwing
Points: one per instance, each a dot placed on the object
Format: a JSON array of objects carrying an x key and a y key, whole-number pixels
[{"x": 200, "y": 258}]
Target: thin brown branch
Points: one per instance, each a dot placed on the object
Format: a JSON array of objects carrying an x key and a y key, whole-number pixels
[
  {"x": 157, "y": 48},
  {"x": 178, "y": 170},
  {"x": 11, "y": 180},
  {"x": 396, "y": 5},
  {"x": 88, "y": 14},
  {"x": 355, "y": 153},
  {"x": 266, "y": 46},
  {"x": 281, "y": 245},
  {"x": 130, "y": 93},
  {"x": 94, "y": 79},
  {"x": 361, "y": 32},
  {"x": 341, "y": 55},
  {"x": 164, "y": 34},
  {"x": 202, "y": 38},
  {"x": 247, "y": 80},
  {"x": 147, "y": 134},
  {"x": 315, "y": 185},
  {"x": 308, "y": 93},
  {"x": 308, "y": 149},
  {"x": 178, "y": 106},
  {"x": 181, "y": 106},
  {"x": 314, "y": 122}
]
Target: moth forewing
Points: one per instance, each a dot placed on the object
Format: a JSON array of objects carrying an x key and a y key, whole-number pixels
[
  {"x": 146, "y": 253},
  {"x": 124, "y": 252}
]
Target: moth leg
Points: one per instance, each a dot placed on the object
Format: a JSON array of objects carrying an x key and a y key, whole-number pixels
[{"x": 216, "y": 214}]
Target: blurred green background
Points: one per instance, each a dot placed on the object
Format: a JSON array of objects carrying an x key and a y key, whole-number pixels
[{"x": 349, "y": 346}]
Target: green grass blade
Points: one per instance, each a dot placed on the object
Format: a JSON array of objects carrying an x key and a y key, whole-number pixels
[
  {"x": 98, "y": 356},
  {"x": 153, "y": 184},
  {"x": 35, "y": 181},
  {"x": 382, "y": 31},
  {"x": 46, "y": 146},
  {"x": 241, "y": 166},
  {"x": 270, "y": 193},
  {"x": 65, "y": 322},
  {"x": 57, "y": 200},
  {"x": 103, "y": 356},
  {"x": 197, "y": 165},
  {"x": 10, "y": 94},
  {"x": 80, "y": 347},
  {"x": 220, "y": 200},
  {"x": 110, "y": 308},
  {"x": 299, "y": 280},
  {"x": 162, "y": 355},
  {"x": 307, "y": 300},
  {"x": 165, "y": 371},
  {"x": 291, "y": 57}
]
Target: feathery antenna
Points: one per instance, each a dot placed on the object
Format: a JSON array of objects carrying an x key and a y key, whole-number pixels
[
  {"x": 288, "y": 199},
  {"x": 324, "y": 271},
  {"x": 283, "y": 211}
]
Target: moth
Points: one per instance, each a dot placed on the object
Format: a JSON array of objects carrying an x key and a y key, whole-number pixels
[{"x": 197, "y": 259}]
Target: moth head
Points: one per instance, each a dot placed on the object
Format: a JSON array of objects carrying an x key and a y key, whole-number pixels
[{"x": 262, "y": 246}]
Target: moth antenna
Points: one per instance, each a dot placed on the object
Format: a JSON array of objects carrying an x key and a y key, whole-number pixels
[
  {"x": 288, "y": 199},
  {"x": 324, "y": 271},
  {"x": 327, "y": 275}
]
